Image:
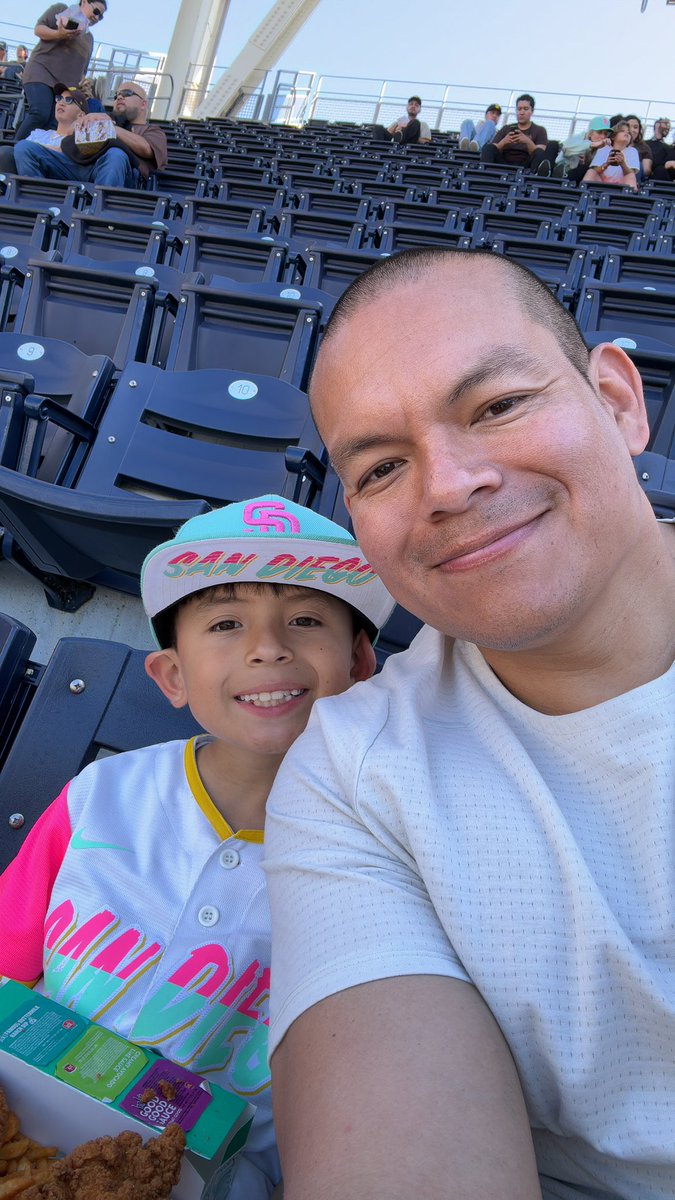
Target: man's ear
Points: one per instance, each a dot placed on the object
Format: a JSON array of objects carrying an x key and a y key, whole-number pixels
[
  {"x": 163, "y": 667},
  {"x": 363, "y": 658},
  {"x": 618, "y": 382}
]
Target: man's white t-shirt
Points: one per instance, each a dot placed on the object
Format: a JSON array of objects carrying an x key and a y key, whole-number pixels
[
  {"x": 428, "y": 822},
  {"x": 46, "y": 137},
  {"x": 425, "y": 132}
]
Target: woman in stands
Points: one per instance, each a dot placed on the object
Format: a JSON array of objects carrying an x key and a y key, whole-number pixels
[
  {"x": 643, "y": 148},
  {"x": 618, "y": 163}
]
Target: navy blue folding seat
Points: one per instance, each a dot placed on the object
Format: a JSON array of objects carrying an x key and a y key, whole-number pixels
[
  {"x": 55, "y": 371},
  {"x": 108, "y": 238},
  {"x": 299, "y": 228},
  {"x": 92, "y": 697},
  {"x": 93, "y": 308},
  {"x": 25, "y": 233},
  {"x": 130, "y": 203},
  {"x": 657, "y": 478},
  {"x": 71, "y": 541},
  {"x": 553, "y": 262},
  {"x": 495, "y": 224},
  {"x": 332, "y": 204},
  {"x": 651, "y": 272},
  {"x": 232, "y": 327},
  {"x": 18, "y": 675},
  {"x": 435, "y": 216},
  {"x": 215, "y": 434},
  {"x": 392, "y": 238},
  {"x": 245, "y": 257},
  {"x": 331, "y": 269},
  {"x": 619, "y": 310},
  {"x": 224, "y": 216},
  {"x": 55, "y": 196},
  {"x": 261, "y": 195}
]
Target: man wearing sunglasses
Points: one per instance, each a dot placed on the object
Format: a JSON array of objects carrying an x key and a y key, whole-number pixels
[
  {"x": 61, "y": 56},
  {"x": 147, "y": 142}
]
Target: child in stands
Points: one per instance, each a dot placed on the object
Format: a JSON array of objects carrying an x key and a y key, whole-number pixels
[
  {"x": 618, "y": 163},
  {"x": 138, "y": 898}
]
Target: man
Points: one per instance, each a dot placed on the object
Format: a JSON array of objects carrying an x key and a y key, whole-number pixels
[
  {"x": 663, "y": 155},
  {"x": 61, "y": 56},
  {"x": 147, "y": 142},
  {"x": 407, "y": 129},
  {"x": 521, "y": 144},
  {"x": 470, "y": 858},
  {"x": 112, "y": 166},
  {"x": 40, "y": 154},
  {"x": 474, "y": 137}
]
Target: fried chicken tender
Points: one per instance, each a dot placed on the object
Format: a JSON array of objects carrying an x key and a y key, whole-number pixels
[
  {"x": 4, "y": 1115},
  {"x": 116, "y": 1168}
]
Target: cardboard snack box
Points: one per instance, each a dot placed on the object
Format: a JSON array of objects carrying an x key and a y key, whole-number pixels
[{"x": 70, "y": 1080}]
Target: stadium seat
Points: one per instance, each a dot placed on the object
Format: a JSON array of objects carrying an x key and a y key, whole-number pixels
[
  {"x": 212, "y": 434},
  {"x": 130, "y": 204},
  {"x": 619, "y": 310},
  {"x": 298, "y": 228},
  {"x": 233, "y": 328},
  {"x": 94, "y": 309},
  {"x": 657, "y": 478},
  {"x": 651, "y": 272},
  {"x": 93, "y": 697},
  {"x": 554, "y": 262},
  {"x": 64, "y": 375},
  {"x": 245, "y": 257},
  {"x": 109, "y": 238},
  {"x": 70, "y": 541},
  {"x": 54, "y": 196},
  {"x": 330, "y": 268},
  {"x": 17, "y": 677}
]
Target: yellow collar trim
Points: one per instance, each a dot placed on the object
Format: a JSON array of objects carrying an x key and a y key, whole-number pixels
[{"x": 213, "y": 816}]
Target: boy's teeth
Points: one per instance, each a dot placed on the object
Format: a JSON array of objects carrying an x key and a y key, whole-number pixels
[{"x": 269, "y": 699}]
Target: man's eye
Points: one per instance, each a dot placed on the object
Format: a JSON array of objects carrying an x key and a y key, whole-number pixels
[
  {"x": 305, "y": 622},
  {"x": 379, "y": 472},
  {"x": 500, "y": 407}
]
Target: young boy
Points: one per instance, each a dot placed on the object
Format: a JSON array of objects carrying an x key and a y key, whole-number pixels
[{"x": 138, "y": 898}]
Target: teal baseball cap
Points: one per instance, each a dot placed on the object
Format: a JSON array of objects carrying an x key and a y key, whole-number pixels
[{"x": 265, "y": 540}]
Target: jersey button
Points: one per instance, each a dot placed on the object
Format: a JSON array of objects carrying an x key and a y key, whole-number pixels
[
  {"x": 208, "y": 915},
  {"x": 229, "y": 858}
]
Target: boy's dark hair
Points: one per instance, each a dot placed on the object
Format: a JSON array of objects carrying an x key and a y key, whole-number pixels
[
  {"x": 527, "y": 98},
  {"x": 411, "y": 98},
  {"x": 165, "y": 623},
  {"x": 616, "y": 118}
]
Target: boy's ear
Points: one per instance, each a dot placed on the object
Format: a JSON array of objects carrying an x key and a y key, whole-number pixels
[
  {"x": 363, "y": 658},
  {"x": 164, "y": 668}
]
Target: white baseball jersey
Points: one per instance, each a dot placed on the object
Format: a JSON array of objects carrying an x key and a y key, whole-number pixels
[{"x": 140, "y": 908}]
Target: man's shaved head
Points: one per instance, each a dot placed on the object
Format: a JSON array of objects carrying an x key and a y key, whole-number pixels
[{"x": 537, "y": 302}]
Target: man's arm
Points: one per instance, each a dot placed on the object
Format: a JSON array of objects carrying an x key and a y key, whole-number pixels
[
  {"x": 397, "y": 1088},
  {"x": 140, "y": 146}
]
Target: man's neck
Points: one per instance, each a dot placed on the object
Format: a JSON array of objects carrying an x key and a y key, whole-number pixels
[{"x": 628, "y": 641}]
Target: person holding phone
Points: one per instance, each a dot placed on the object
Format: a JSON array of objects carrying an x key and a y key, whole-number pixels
[
  {"x": 61, "y": 57},
  {"x": 618, "y": 163},
  {"x": 522, "y": 144}
]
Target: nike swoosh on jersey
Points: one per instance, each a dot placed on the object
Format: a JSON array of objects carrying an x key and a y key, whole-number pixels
[{"x": 80, "y": 842}]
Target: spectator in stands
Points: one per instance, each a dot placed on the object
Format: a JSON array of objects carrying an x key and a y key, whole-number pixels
[
  {"x": 3, "y": 58},
  {"x": 576, "y": 152},
  {"x": 92, "y": 86},
  {"x": 21, "y": 54},
  {"x": 470, "y": 857},
  {"x": 146, "y": 141},
  {"x": 50, "y": 154},
  {"x": 643, "y": 148},
  {"x": 61, "y": 56},
  {"x": 474, "y": 137},
  {"x": 522, "y": 143},
  {"x": 616, "y": 164},
  {"x": 406, "y": 129},
  {"x": 249, "y": 654},
  {"x": 662, "y": 152}
]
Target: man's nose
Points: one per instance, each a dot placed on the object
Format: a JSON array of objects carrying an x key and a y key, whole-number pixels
[{"x": 456, "y": 470}]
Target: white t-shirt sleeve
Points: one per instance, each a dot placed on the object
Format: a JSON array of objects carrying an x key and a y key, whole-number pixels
[
  {"x": 348, "y": 903},
  {"x": 632, "y": 158},
  {"x": 600, "y": 157}
]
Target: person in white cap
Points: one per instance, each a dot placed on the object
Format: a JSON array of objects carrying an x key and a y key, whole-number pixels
[{"x": 138, "y": 898}]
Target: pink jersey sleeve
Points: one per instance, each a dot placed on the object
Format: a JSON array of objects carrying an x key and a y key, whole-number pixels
[{"x": 25, "y": 889}]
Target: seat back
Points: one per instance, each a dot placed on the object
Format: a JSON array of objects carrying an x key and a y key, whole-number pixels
[{"x": 93, "y": 696}]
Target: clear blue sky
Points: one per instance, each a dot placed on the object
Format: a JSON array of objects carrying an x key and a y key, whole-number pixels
[{"x": 579, "y": 45}]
